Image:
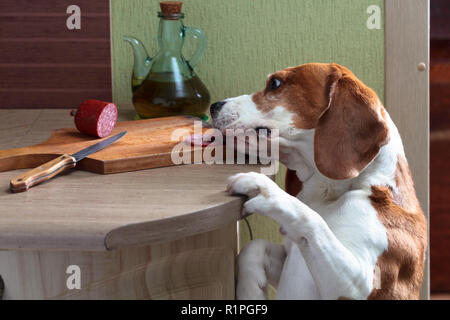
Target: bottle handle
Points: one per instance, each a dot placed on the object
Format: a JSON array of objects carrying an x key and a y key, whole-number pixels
[{"x": 201, "y": 47}]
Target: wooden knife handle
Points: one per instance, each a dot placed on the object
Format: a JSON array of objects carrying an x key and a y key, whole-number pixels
[{"x": 42, "y": 173}]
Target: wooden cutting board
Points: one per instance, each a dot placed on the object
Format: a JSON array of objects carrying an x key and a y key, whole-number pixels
[{"x": 147, "y": 145}]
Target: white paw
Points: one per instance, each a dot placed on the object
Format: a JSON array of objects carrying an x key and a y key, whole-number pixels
[
  {"x": 252, "y": 184},
  {"x": 265, "y": 197},
  {"x": 251, "y": 275},
  {"x": 250, "y": 290}
]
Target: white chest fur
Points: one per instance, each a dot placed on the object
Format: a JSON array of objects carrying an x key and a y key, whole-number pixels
[
  {"x": 296, "y": 281},
  {"x": 346, "y": 208},
  {"x": 355, "y": 224}
]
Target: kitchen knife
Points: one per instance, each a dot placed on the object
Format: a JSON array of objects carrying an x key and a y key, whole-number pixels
[{"x": 50, "y": 169}]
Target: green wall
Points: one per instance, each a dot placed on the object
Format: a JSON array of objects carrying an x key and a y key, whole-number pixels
[{"x": 248, "y": 39}]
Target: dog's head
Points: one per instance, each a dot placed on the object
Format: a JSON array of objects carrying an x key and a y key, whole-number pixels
[{"x": 345, "y": 115}]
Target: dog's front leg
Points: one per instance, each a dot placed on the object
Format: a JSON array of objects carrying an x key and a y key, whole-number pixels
[
  {"x": 259, "y": 264},
  {"x": 336, "y": 271}
]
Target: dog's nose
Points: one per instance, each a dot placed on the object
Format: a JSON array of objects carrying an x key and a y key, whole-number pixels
[{"x": 216, "y": 106}]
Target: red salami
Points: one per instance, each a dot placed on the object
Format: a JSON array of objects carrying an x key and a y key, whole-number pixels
[{"x": 96, "y": 118}]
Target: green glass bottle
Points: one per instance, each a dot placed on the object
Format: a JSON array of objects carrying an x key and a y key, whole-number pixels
[{"x": 166, "y": 85}]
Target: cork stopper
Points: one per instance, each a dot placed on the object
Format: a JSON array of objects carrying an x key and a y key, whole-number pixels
[{"x": 169, "y": 8}]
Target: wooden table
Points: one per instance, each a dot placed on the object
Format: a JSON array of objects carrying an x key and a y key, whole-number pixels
[{"x": 150, "y": 234}]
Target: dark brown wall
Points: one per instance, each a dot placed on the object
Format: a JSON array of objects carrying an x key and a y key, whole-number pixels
[
  {"x": 45, "y": 65},
  {"x": 440, "y": 146}
]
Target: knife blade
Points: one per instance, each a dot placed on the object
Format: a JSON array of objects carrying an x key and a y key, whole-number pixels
[
  {"x": 97, "y": 147},
  {"x": 56, "y": 166}
]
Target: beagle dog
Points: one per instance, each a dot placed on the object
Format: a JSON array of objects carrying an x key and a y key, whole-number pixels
[{"x": 353, "y": 226}]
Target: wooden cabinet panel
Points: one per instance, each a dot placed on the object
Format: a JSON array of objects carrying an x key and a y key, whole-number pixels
[
  {"x": 440, "y": 215},
  {"x": 44, "y": 64},
  {"x": 48, "y": 51},
  {"x": 439, "y": 105},
  {"x": 440, "y": 23},
  {"x": 24, "y": 27},
  {"x": 55, "y": 76},
  {"x": 440, "y": 146},
  {"x": 51, "y": 98},
  {"x": 50, "y": 6}
]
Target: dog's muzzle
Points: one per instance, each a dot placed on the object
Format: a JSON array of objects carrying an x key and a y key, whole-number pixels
[{"x": 216, "y": 107}]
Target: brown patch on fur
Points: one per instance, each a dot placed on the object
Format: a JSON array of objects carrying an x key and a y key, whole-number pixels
[
  {"x": 304, "y": 92},
  {"x": 347, "y": 115},
  {"x": 292, "y": 183},
  {"x": 352, "y": 130},
  {"x": 405, "y": 197},
  {"x": 401, "y": 266}
]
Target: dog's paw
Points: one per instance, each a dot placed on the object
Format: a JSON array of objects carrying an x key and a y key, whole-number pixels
[
  {"x": 251, "y": 184},
  {"x": 265, "y": 197}
]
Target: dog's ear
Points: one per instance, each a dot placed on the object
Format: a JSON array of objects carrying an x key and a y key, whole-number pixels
[{"x": 351, "y": 131}]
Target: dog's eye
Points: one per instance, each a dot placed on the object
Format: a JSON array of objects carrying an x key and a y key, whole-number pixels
[{"x": 274, "y": 83}]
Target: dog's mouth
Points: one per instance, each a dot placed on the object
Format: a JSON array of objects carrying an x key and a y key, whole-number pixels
[{"x": 205, "y": 139}]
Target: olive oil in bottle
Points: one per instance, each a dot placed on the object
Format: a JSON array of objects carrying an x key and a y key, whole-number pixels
[
  {"x": 161, "y": 96},
  {"x": 166, "y": 85}
]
